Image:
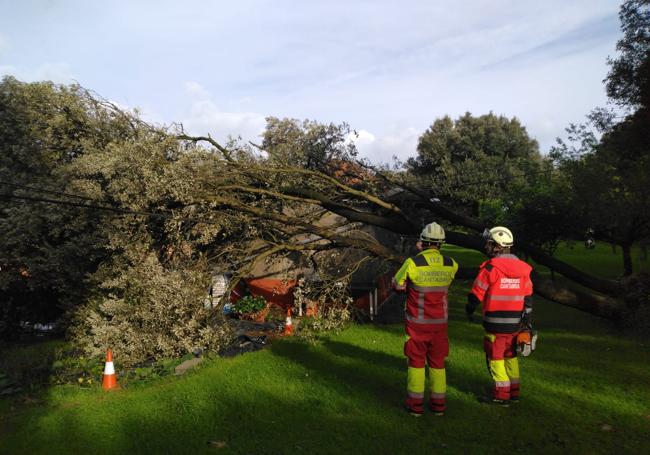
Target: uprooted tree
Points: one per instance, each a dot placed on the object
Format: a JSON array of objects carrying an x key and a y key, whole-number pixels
[{"x": 355, "y": 192}]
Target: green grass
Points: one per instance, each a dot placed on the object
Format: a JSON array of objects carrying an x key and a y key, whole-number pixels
[
  {"x": 344, "y": 395},
  {"x": 601, "y": 261}
]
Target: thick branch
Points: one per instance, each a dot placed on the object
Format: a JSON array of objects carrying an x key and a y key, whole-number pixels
[
  {"x": 344, "y": 241},
  {"x": 595, "y": 304},
  {"x": 248, "y": 189},
  {"x": 348, "y": 190},
  {"x": 226, "y": 153},
  {"x": 589, "y": 302},
  {"x": 400, "y": 225},
  {"x": 608, "y": 287}
]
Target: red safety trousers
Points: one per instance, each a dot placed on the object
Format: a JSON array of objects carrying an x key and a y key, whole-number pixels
[
  {"x": 501, "y": 358},
  {"x": 430, "y": 348}
]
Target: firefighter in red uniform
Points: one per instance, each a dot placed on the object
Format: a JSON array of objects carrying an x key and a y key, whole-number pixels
[
  {"x": 426, "y": 278},
  {"x": 504, "y": 289}
]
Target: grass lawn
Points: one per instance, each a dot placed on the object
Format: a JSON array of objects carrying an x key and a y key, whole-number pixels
[
  {"x": 600, "y": 261},
  {"x": 585, "y": 390}
]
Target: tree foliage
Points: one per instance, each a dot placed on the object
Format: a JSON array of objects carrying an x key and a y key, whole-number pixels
[
  {"x": 628, "y": 81},
  {"x": 608, "y": 186},
  {"x": 46, "y": 250},
  {"x": 307, "y": 144},
  {"x": 476, "y": 162},
  {"x": 608, "y": 177}
]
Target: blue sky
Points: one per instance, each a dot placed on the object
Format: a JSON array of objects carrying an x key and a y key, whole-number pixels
[{"x": 387, "y": 68}]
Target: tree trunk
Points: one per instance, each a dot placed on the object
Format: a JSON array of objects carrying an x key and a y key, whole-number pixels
[
  {"x": 627, "y": 259},
  {"x": 598, "y": 305},
  {"x": 589, "y": 302},
  {"x": 609, "y": 287}
]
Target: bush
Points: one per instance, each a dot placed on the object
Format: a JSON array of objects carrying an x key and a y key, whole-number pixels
[
  {"x": 333, "y": 317},
  {"x": 249, "y": 304},
  {"x": 148, "y": 312},
  {"x": 332, "y": 303},
  {"x": 27, "y": 366}
]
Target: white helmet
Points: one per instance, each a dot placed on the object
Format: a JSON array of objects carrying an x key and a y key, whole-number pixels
[
  {"x": 500, "y": 235},
  {"x": 433, "y": 232}
]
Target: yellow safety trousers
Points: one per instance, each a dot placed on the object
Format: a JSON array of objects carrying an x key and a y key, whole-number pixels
[
  {"x": 415, "y": 380},
  {"x": 505, "y": 370}
]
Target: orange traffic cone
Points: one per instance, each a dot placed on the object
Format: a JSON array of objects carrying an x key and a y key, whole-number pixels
[
  {"x": 288, "y": 326},
  {"x": 109, "y": 381}
]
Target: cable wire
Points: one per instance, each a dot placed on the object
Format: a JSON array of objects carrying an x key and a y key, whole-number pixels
[
  {"x": 100, "y": 207},
  {"x": 41, "y": 190}
]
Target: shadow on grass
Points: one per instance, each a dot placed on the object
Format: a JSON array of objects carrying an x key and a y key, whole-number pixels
[
  {"x": 465, "y": 336},
  {"x": 360, "y": 371}
]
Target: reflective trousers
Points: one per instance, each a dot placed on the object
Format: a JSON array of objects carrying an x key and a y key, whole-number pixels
[
  {"x": 420, "y": 349},
  {"x": 501, "y": 356}
]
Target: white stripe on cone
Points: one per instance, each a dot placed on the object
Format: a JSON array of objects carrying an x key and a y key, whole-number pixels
[{"x": 109, "y": 369}]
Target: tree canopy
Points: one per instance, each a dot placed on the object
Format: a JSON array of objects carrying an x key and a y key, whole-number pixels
[
  {"x": 628, "y": 81},
  {"x": 607, "y": 177}
]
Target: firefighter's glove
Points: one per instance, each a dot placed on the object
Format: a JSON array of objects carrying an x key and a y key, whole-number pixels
[
  {"x": 470, "y": 312},
  {"x": 528, "y": 310},
  {"x": 472, "y": 303}
]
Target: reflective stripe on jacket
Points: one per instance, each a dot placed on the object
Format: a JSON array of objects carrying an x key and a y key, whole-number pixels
[
  {"x": 502, "y": 285},
  {"x": 426, "y": 279}
]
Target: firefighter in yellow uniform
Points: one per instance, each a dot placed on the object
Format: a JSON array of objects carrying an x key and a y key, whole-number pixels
[{"x": 426, "y": 278}]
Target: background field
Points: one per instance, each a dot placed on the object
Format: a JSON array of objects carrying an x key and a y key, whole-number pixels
[{"x": 602, "y": 261}]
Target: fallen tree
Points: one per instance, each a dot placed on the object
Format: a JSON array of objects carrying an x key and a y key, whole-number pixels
[{"x": 363, "y": 205}]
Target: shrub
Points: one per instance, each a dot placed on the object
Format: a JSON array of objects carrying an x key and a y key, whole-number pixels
[
  {"x": 148, "y": 312},
  {"x": 27, "y": 366},
  {"x": 249, "y": 304},
  {"x": 333, "y": 307}
]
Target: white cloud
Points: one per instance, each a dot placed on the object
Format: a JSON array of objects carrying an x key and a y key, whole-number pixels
[
  {"x": 371, "y": 64},
  {"x": 399, "y": 142},
  {"x": 206, "y": 118},
  {"x": 195, "y": 90},
  {"x": 362, "y": 138}
]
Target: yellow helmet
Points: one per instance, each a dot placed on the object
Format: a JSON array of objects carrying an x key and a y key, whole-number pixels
[
  {"x": 433, "y": 232},
  {"x": 500, "y": 235}
]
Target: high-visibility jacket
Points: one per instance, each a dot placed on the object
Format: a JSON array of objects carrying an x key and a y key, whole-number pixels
[
  {"x": 504, "y": 288},
  {"x": 426, "y": 279}
]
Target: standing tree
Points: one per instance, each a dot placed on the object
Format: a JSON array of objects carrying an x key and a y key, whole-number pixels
[
  {"x": 307, "y": 144},
  {"x": 628, "y": 81},
  {"x": 610, "y": 177},
  {"x": 476, "y": 162}
]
